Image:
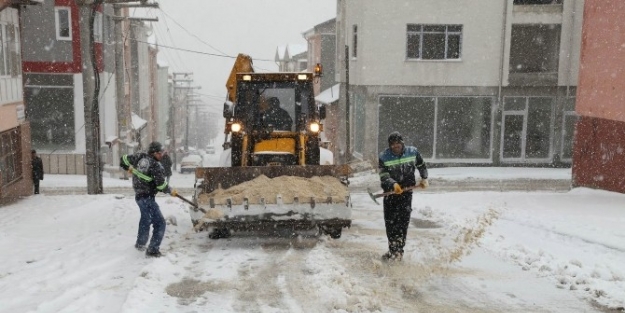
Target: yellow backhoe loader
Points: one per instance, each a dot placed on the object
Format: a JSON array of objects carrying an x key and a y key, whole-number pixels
[{"x": 271, "y": 177}]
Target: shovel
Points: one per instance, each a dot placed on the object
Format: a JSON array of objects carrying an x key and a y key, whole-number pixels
[
  {"x": 374, "y": 197},
  {"x": 191, "y": 203}
]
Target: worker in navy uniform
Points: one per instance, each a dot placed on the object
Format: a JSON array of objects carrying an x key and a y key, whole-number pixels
[
  {"x": 148, "y": 178},
  {"x": 397, "y": 166}
]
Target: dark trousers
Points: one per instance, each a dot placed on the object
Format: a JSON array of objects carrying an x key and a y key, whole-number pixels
[
  {"x": 36, "y": 183},
  {"x": 397, "y": 209},
  {"x": 150, "y": 215}
]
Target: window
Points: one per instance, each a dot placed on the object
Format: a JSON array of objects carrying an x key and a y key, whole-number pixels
[
  {"x": 10, "y": 156},
  {"x": 360, "y": 122},
  {"x": 534, "y": 48},
  {"x": 10, "y": 63},
  {"x": 63, "y": 23},
  {"x": 355, "y": 42},
  {"x": 50, "y": 110},
  {"x": 527, "y": 128},
  {"x": 569, "y": 118},
  {"x": 4, "y": 52},
  {"x": 433, "y": 42},
  {"x": 442, "y": 128}
]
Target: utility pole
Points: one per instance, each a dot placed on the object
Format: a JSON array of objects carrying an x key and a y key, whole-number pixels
[
  {"x": 348, "y": 151},
  {"x": 177, "y": 104},
  {"x": 187, "y": 98},
  {"x": 124, "y": 112},
  {"x": 91, "y": 92}
]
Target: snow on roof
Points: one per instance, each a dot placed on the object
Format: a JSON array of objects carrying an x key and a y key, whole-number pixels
[
  {"x": 137, "y": 122},
  {"x": 329, "y": 95}
]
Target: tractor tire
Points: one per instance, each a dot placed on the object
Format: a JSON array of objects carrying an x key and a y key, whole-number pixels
[{"x": 333, "y": 231}]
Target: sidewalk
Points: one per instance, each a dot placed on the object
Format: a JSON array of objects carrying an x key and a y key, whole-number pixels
[
  {"x": 453, "y": 179},
  {"x": 450, "y": 179}
]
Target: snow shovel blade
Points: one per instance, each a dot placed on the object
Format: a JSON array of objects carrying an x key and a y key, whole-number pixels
[
  {"x": 190, "y": 202},
  {"x": 373, "y": 197}
]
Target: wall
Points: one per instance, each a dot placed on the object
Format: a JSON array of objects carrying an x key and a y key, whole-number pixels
[
  {"x": 599, "y": 149},
  {"x": 386, "y": 64},
  {"x": 22, "y": 187},
  {"x": 599, "y": 155},
  {"x": 601, "y": 93},
  {"x": 41, "y": 33}
]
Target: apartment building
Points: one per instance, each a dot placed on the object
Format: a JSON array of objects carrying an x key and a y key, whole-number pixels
[
  {"x": 54, "y": 85},
  {"x": 469, "y": 82},
  {"x": 15, "y": 172},
  {"x": 53, "y": 82},
  {"x": 322, "y": 50}
]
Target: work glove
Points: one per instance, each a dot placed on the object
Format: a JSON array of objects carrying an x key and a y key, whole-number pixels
[
  {"x": 424, "y": 183},
  {"x": 174, "y": 193},
  {"x": 397, "y": 189},
  {"x": 130, "y": 168}
]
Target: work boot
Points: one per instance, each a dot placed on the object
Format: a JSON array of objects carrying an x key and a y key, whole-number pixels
[
  {"x": 392, "y": 256},
  {"x": 153, "y": 253},
  {"x": 139, "y": 247}
]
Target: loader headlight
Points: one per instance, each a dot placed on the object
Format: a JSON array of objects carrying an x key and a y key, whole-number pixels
[
  {"x": 314, "y": 127},
  {"x": 236, "y": 127}
]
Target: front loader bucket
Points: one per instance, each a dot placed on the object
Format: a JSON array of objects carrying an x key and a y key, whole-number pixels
[{"x": 272, "y": 197}]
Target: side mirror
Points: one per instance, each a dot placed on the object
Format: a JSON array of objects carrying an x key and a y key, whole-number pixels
[
  {"x": 322, "y": 112},
  {"x": 228, "y": 110}
]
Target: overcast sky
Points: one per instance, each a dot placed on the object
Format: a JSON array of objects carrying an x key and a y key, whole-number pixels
[{"x": 226, "y": 28}]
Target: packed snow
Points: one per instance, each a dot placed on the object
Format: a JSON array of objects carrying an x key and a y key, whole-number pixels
[{"x": 485, "y": 251}]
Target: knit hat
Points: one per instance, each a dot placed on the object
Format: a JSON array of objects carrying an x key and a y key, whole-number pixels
[
  {"x": 395, "y": 137},
  {"x": 154, "y": 147}
]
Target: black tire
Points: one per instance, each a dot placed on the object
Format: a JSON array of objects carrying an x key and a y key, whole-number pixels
[
  {"x": 313, "y": 155},
  {"x": 219, "y": 233},
  {"x": 333, "y": 231},
  {"x": 236, "y": 152}
]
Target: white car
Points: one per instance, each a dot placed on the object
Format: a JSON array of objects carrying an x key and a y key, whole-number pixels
[{"x": 189, "y": 163}]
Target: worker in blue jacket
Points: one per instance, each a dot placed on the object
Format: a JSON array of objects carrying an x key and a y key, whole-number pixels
[
  {"x": 148, "y": 178},
  {"x": 397, "y": 165}
]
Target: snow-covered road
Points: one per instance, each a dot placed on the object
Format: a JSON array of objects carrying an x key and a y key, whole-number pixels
[{"x": 466, "y": 252}]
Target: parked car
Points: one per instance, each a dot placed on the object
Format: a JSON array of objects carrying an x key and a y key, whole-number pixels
[
  {"x": 189, "y": 163},
  {"x": 210, "y": 149}
]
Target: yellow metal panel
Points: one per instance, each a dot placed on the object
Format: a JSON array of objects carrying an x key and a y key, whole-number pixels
[{"x": 276, "y": 144}]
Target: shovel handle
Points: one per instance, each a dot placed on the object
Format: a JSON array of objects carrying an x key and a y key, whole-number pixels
[
  {"x": 186, "y": 200},
  {"x": 375, "y": 196},
  {"x": 393, "y": 192},
  {"x": 190, "y": 202}
]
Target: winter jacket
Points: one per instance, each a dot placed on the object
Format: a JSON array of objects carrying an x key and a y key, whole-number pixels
[
  {"x": 167, "y": 163},
  {"x": 401, "y": 168},
  {"x": 148, "y": 175},
  {"x": 37, "y": 166},
  {"x": 279, "y": 118}
]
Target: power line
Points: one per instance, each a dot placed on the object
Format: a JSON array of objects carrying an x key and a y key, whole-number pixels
[
  {"x": 200, "y": 52},
  {"x": 172, "y": 41},
  {"x": 188, "y": 32}
]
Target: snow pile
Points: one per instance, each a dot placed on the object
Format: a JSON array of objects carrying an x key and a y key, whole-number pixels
[{"x": 289, "y": 187}]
